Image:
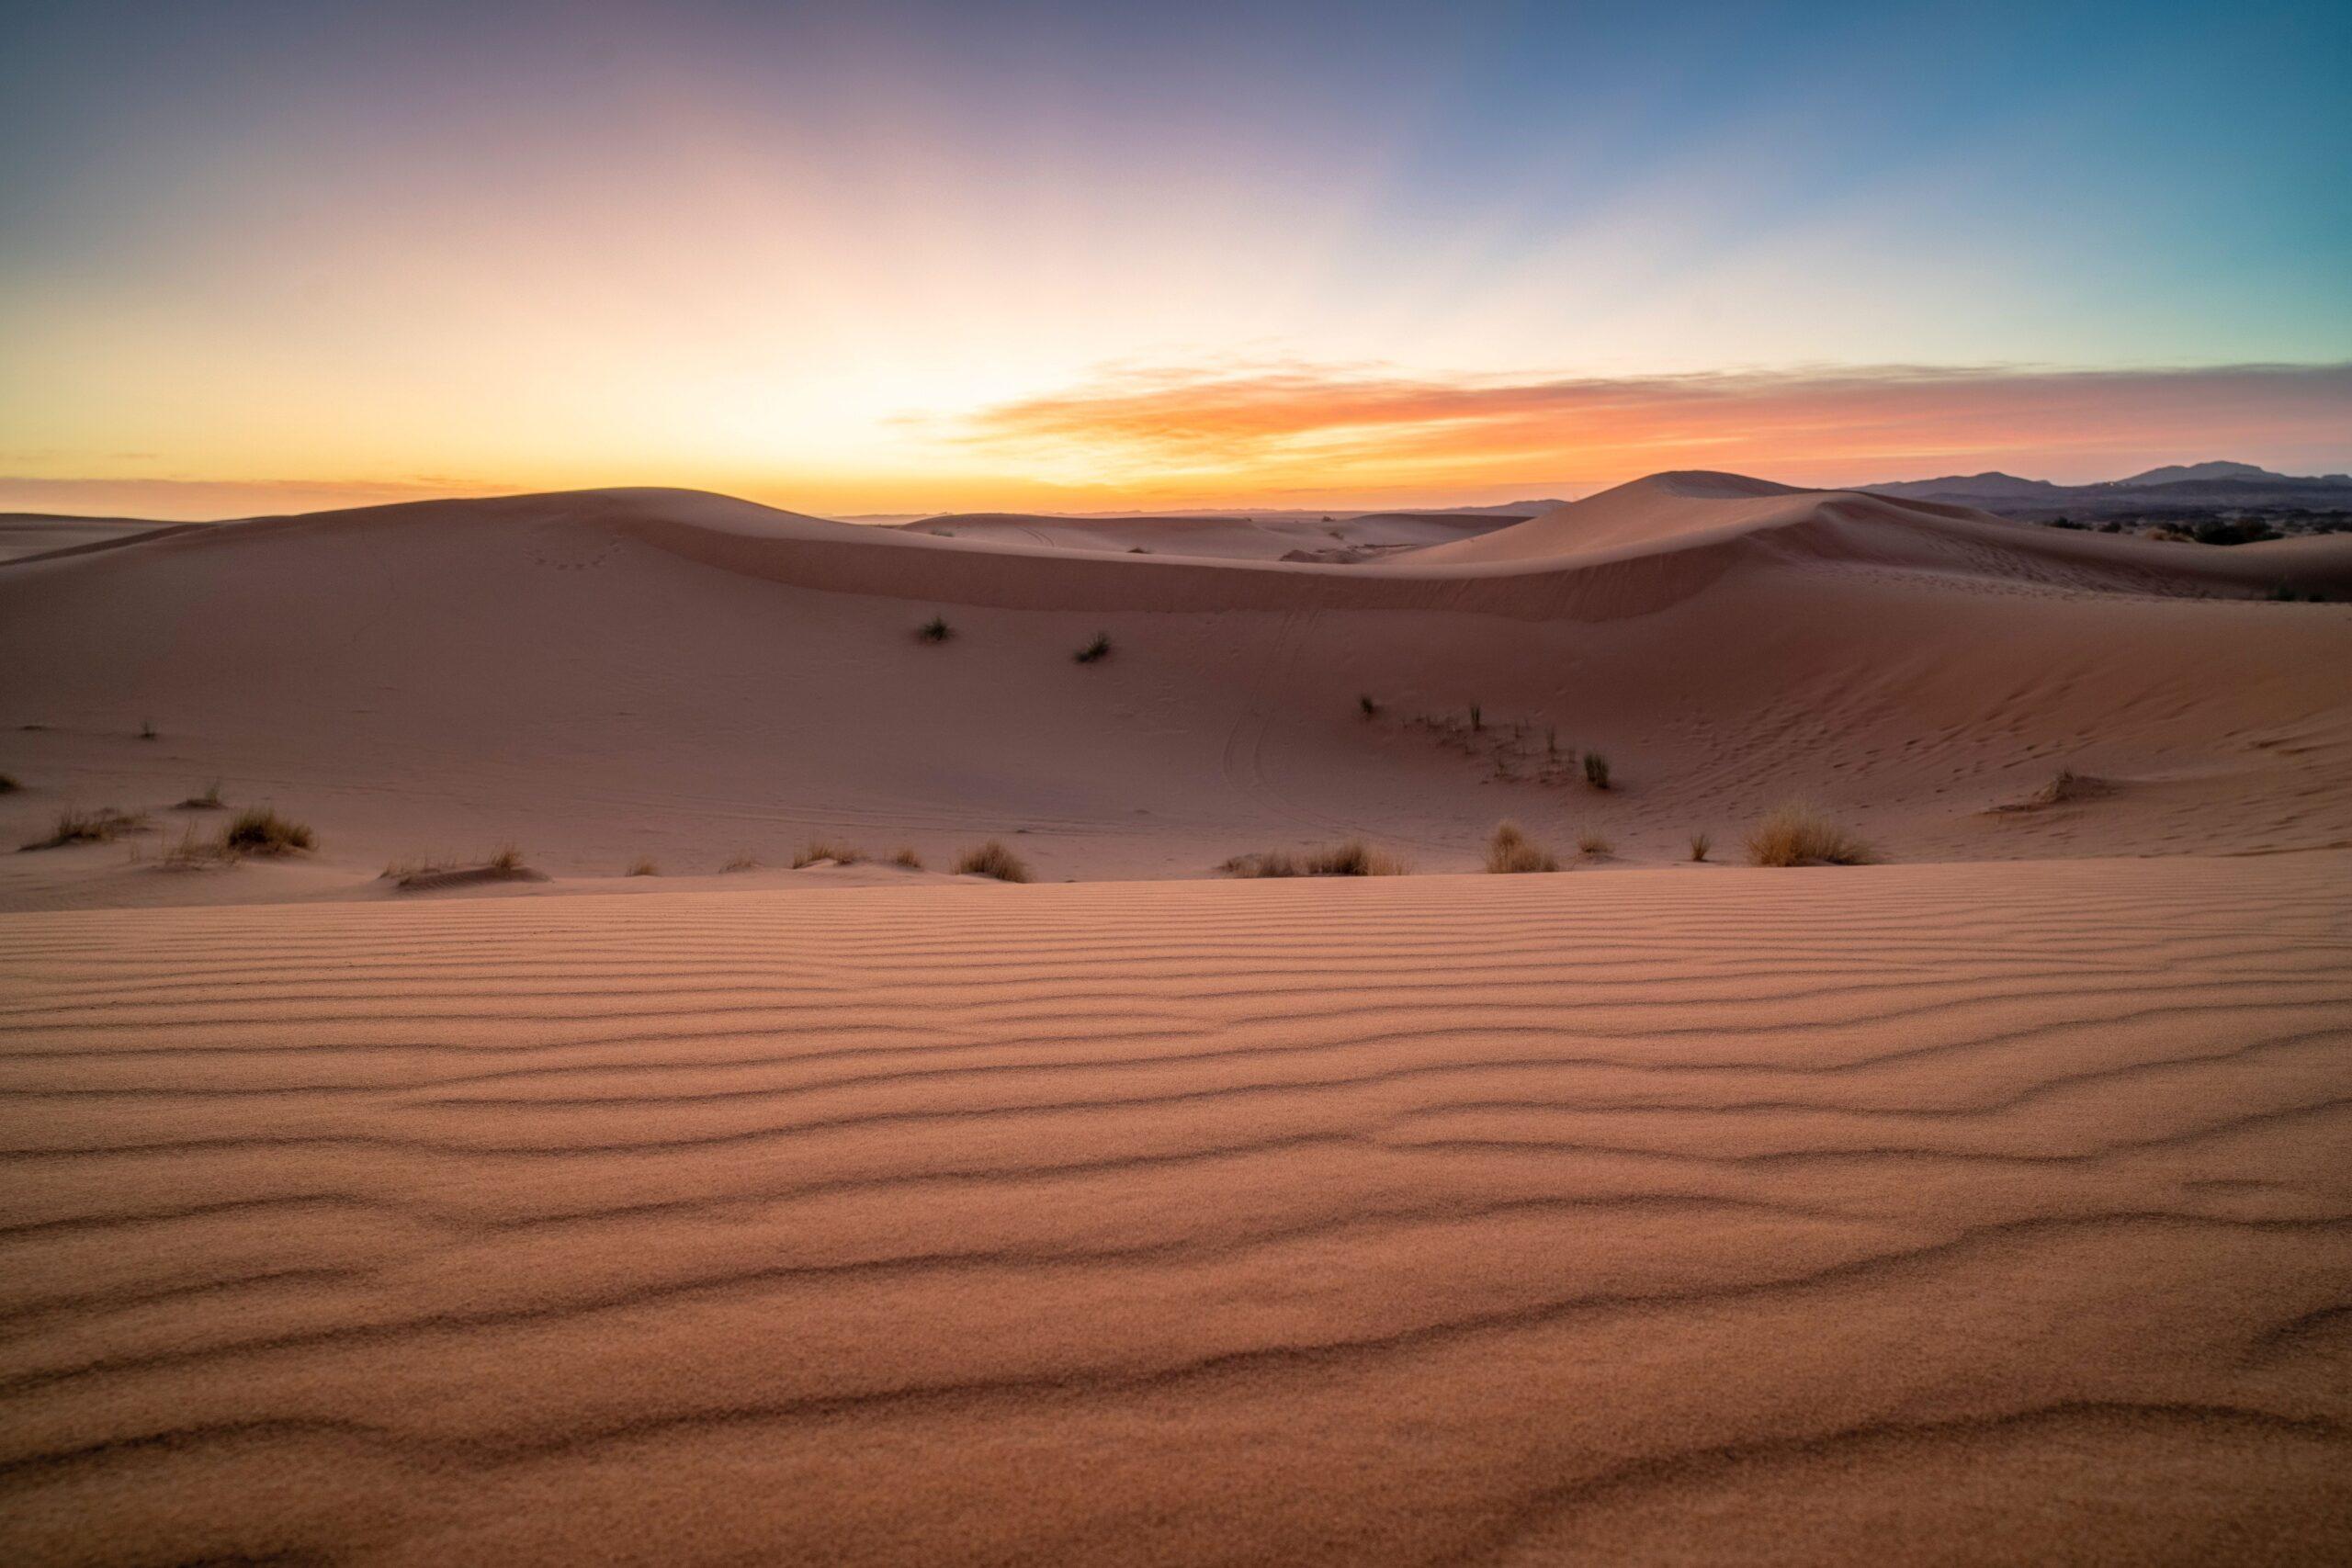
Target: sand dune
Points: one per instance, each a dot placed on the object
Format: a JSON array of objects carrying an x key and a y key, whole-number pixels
[
  {"x": 611, "y": 675},
  {"x": 1343, "y": 538},
  {"x": 1986, "y": 1206},
  {"x": 24, "y": 534},
  {"x": 1914, "y": 1214}
]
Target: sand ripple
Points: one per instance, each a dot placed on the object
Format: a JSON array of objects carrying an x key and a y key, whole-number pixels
[{"x": 1930, "y": 1214}]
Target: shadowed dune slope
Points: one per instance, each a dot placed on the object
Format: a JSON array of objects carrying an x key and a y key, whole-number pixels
[
  {"x": 609, "y": 675},
  {"x": 1907, "y": 1214}
]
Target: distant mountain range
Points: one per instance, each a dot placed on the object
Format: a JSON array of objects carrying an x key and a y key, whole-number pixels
[{"x": 2183, "y": 487}]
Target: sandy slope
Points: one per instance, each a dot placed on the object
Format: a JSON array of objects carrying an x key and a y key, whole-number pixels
[
  {"x": 1911, "y": 1214},
  {"x": 1366, "y": 536},
  {"x": 25, "y": 534},
  {"x": 609, "y": 675}
]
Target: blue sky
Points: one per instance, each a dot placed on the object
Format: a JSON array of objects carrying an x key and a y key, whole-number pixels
[{"x": 815, "y": 254}]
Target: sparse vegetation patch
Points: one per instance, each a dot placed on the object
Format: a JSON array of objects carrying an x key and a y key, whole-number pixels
[
  {"x": 1596, "y": 769},
  {"x": 1700, "y": 844},
  {"x": 1796, "y": 834},
  {"x": 992, "y": 859},
  {"x": 935, "y": 629},
  {"x": 208, "y": 800},
  {"x": 259, "y": 830},
  {"x": 1512, "y": 851},
  {"x": 644, "y": 866},
  {"x": 194, "y": 853},
  {"x": 906, "y": 857},
  {"x": 77, "y": 826},
  {"x": 1352, "y": 858},
  {"x": 1096, "y": 651},
  {"x": 1591, "y": 844},
  {"x": 840, "y": 855}
]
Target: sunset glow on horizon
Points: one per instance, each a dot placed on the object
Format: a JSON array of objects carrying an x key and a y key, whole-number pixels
[{"x": 896, "y": 259}]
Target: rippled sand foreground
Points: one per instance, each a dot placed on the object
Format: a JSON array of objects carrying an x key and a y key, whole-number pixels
[{"x": 1913, "y": 1213}]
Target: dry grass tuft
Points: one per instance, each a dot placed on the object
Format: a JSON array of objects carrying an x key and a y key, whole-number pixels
[
  {"x": 906, "y": 857},
  {"x": 1371, "y": 707},
  {"x": 259, "y": 830},
  {"x": 1700, "y": 845},
  {"x": 506, "y": 866},
  {"x": 1274, "y": 863},
  {"x": 935, "y": 629},
  {"x": 102, "y": 826},
  {"x": 742, "y": 863},
  {"x": 1510, "y": 852},
  {"x": 840, "y": 855},
  {"x": 644, "y": 866},
  {"x": 1095, "y": 651},
  {"x": 1353, "y": 858},
  {"x": 1797, "y": 834},
  {"x": 147, "y": 730},
  {"x": 192, "y": 854},
  {"x": 1591, "y": 844},
  {"x": 992, "y": 859},
  {"x": 1596, "y": 769},
  {"x": 207, "y": 801}
]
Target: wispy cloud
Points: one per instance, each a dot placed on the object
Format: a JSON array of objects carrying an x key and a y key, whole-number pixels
[{"x": 1278, "y": 422}]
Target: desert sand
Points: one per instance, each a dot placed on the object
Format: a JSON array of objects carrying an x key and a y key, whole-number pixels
[{"x": 1987, "y": 1204}]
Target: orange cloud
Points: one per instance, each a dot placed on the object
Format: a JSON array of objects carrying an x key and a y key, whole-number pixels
[{"x": 1338, "y": 426}]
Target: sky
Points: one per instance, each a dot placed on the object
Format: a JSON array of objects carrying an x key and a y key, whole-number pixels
[{"x": 876, "y": 258}]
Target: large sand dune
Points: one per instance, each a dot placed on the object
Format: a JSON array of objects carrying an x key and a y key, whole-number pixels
[
  {"x": 616, "y": 674},
  {"x": 1902, "y": 1214},
  {"x": 1986, "y": 1207}
]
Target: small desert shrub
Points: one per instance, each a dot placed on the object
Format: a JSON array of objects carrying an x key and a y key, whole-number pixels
[
  {"x": 207, "y": 801},
  {"x": 1700, "y": 845},
  {"x": 742, "y": 863},
  {"x": 146, "y": 729},
  {"x": 1796, "y": 834},
  {"x": 1477, "y": 717},
  {"x": 643, "y": 865},
  {"x": 192, "y": 854},
  {"x": 99, "y": 827},
  {"x": 1591, "y": 844},
  {"x": 906, "y": 857},
  {"x": 935, "y": 629},
  {"x": 840, "y": 855},
  {"x": 508, "y": 858},
  {"x": 1509, "y": 850},
  {"x": 992, "y": 859},
  {"x": 1371, "y": 708},
  {"x": 1274, "y": 863},
  {"x": 1095, "y": 651},
  {"x": 1354, "y": 858},
  {"x": 1596, "y": 769},
  {"x": 259, "y": 831}
]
